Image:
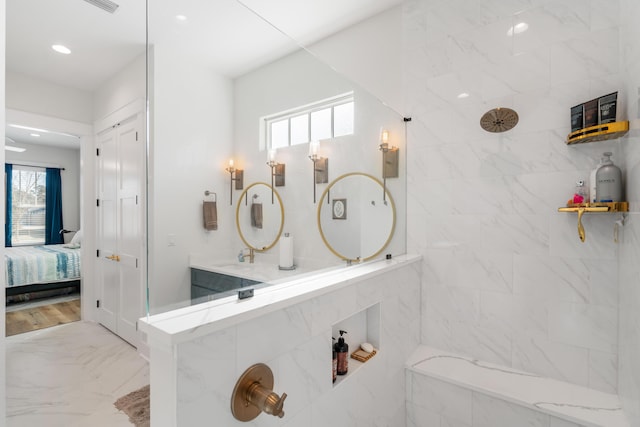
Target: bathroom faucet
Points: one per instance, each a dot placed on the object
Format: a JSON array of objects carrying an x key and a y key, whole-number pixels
[{"x": 252, "y": 255}]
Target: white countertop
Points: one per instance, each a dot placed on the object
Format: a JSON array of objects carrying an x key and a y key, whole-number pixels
[
  {"x": 571, "y": 402},
  {"x": 188, "y": 323},
  {"x": 258, "y": 271}
]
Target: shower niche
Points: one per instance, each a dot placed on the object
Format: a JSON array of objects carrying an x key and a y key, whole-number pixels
[{"x": 361, "y": 327}]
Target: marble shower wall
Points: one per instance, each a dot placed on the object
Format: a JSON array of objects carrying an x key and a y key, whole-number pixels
[
  {"x": 295, "y": 342},
  {"x": 629, "y": 268},
  {"x": 506, "y": 278}
]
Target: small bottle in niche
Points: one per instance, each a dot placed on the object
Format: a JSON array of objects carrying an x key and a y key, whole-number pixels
[
  {"x": 342, "y": 348},
  {"x": 334, "y": 361}
]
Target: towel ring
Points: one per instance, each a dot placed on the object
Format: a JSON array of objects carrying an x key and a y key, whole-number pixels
[{"x": 208, "y": 193}]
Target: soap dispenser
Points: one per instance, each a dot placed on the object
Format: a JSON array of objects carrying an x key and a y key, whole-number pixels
[
  {"x": 608, "y": 181},
  {"x": 334, "y": 358},
  {"x": 342, "y": 348}
]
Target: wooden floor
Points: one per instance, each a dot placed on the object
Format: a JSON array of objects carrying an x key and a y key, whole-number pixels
[{"x": 45, "y": 316}]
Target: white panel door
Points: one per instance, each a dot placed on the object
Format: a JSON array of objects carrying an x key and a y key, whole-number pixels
[
  {"x": 121, "y": 174},
  {"x": 108, "y": 275}
]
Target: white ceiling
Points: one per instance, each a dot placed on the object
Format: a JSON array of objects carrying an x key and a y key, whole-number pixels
[{"x": 227, "y": 35}]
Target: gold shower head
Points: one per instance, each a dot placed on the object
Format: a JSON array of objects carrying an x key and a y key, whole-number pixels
[{"x": 499, "y": 120}]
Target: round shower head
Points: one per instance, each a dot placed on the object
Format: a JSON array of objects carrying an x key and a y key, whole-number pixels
[{"x": 499, "y": 120}]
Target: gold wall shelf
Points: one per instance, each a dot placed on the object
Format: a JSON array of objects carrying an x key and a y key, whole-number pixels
[
  {"x": 593, "y": 207},
  {"x": 598, "y": 133}
]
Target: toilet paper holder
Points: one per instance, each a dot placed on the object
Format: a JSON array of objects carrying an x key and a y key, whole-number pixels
[{"x": 254, "y": 394}]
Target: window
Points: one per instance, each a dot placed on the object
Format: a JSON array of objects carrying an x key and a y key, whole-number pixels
[
  {"x": 28, "y": 205},
  {"x": 329, "y": 118}
]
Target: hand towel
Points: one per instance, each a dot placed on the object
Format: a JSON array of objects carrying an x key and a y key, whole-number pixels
[
  {"x": 256, "y": 215},
  {"x": 210, "y": 215}
]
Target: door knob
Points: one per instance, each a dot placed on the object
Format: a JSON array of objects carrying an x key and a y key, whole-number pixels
[
  {"x": 114, "y": 258},
  {"x": 253, "y": 394}
]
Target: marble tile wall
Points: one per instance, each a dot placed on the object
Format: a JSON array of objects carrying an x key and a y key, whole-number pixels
[
  {"x": 506, "y": 278},
  {"x": 629, "y": 269},
  {"x": 299, "y": 357}
]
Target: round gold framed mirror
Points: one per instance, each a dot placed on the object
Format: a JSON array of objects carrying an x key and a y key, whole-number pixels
[
  {"x": 356, "y": 217},
  {"x": 259, "y": 220}
]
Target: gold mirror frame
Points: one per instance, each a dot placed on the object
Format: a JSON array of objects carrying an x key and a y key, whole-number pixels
[
  {"x": 240, "y": 201},
  {"x": 322, "y": 201}
]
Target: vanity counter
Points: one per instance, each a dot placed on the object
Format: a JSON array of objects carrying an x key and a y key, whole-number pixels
[
  {"x": 257, "y": 271},
  {"x": 188, "y": 323}
]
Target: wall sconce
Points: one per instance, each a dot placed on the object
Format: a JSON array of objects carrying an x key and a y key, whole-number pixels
[
  {"x": 320, "y": 167},
  {"x": 238, "y": 178},
  {"x": 277, "y": 171},
  {"x": 389, "y": 161}
]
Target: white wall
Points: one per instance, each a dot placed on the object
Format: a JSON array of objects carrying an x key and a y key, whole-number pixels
[
  {"x": 191, "y": 144},
  {"x": 126, "y": 86},
  {"x": 295, "y": 80},
  {"x": 368, "y": 53},
  {"x": 66, "y": 158},
  {"x": 26, "y": 93},
  {"x": 629, "y": 270},
  {"x": 506, "y": 278}
]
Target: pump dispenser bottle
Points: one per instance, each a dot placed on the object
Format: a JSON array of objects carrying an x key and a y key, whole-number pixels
[
  {"x": 334, "y": 363},
  {"x": 342, "y": 348},
  {"x": 592, "y": 182},
  {"x": 608, "y": 181}
]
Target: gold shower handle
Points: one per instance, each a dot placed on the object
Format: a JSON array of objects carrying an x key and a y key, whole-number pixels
[
  {"x": 254, "y": 394},
  {"x": 580, "y": 226},
  {"x": 114, "y": 257}
]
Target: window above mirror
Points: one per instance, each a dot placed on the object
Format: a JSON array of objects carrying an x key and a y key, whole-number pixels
[{"x": 324, "y": 119}]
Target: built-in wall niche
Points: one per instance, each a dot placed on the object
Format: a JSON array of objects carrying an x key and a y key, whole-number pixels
[{"x": 363, "y": 326}]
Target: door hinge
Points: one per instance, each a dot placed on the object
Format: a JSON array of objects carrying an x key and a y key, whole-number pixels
[
  {"x": 97, "y": 151},
  {"x": 98, "y": 253},
  {"x": 136, "y": 136},
  {"x": 136, "y": 262},
  {"x": 136, "y": 199},
  {"x": 136, "y": 325},
  {"x": 97, "y": 303},
  {"x": 98, "y": 202}
]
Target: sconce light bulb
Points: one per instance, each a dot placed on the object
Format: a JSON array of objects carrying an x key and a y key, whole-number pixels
[
  {"x": 272, "y": 155},
  {"x": 313, "y": 148},
  {"x": 384, "y": 136},
  {"x": 230, "y": 163}
]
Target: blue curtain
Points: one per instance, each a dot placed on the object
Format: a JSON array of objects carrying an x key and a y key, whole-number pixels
[
  {"x": 8, "y": 174},
  {"x": 53, "y": 213}
]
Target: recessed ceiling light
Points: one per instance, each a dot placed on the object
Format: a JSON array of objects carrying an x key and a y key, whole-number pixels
[
  {"x": 37, "y": 135},
  {"x": 463, "y": 95},
  {"x": 16, "y": 149},
  {"x": 61, "y": 49},
  {"x": 181, "y": 18},
  {"x": 518, "y": 28}
]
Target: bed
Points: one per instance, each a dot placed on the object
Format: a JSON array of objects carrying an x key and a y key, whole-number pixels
[{"x": 41, "y": 268}]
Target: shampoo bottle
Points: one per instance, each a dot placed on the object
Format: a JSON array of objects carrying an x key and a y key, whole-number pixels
[
  {"x": 592, "y": 182},
  {"x": 608, "y": 181},
  {"x": 334, "y": 361},
  {"x": 342, "y": 348}
]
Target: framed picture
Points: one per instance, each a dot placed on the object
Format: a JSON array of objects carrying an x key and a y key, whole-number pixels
[{"x": 339, "y": 208}]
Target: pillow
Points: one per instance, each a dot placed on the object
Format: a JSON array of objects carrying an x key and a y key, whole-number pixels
[{"x": 77, "y": 239}]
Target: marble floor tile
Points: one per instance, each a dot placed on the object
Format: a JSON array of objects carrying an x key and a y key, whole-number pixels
[{"x": 70, "y": 375}]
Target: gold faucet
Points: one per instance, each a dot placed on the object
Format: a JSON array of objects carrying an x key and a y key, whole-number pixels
[
  {"x": 265, "y": 399},
  {"x": 253, "y": 394},
  {"x": 252, "y": 255}
]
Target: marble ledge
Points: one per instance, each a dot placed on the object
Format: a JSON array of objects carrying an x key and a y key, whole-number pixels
[
  {"x": 189, "y": 323},
  {"x": 570, "y": 402}
]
